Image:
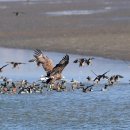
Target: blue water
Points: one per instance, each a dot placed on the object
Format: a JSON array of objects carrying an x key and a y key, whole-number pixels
[
  {"x": 31, "y": 72},
  {"x": 66, "y": 110}
]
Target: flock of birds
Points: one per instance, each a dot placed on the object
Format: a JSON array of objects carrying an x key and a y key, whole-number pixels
[{"x": 54, "y": 78}]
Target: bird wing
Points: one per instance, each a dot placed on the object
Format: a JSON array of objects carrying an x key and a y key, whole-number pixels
[
  {"x": 94, "y": 72},
  {"x": 32, "y": 60},
  {"x": 20, "y": 63},
  {"x": 4, "y": 66},
  {"x": 106, "y": 72},
  {"x": 60, "y": 66},
  {"x": 120, "y": 76},
  {"x": 44, "y": 60},
  {"x": 10, "y": 62}
]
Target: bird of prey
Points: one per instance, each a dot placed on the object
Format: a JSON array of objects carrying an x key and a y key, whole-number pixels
[
  {"x": 53, "y": 72},
  {"x": 83, "y": 61},
  {"x": 15, "y": 64},
  {"x": 1, "y": 68}
]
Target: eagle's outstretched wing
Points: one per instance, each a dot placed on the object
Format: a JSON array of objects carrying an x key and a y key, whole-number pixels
[
  {"x": 60, "y": 66},
  {"x": 55, "y": 74},
  {"x": 44, "y": 60}
]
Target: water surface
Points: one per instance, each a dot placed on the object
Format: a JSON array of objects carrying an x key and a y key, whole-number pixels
[{"x": 66, "y": 110}]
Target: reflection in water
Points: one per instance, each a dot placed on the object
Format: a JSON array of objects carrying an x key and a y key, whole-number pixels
[{"x": 31, "y": 72}]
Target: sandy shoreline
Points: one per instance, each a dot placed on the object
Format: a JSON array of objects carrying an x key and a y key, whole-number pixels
[{"x": 96, "y": 35}]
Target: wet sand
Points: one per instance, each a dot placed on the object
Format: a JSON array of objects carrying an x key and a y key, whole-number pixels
[{"x": 100, "y": 34}]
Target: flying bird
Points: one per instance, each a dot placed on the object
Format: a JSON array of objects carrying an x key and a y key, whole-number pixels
[
  {"x": 101, "y": 76},
  {"x": 89, "y": 61},
  {"x": 15, "y": 64},
  {"x": 53, "y": 72},
  {"x": 83, "y": 61},
  {"x": 113, "y": 79},
  {"x": 35, "y": 60},
  {"x": 3, "y": 67}
]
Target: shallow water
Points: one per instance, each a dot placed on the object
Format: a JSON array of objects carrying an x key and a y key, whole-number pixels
[{"x": 65, "y": 110}]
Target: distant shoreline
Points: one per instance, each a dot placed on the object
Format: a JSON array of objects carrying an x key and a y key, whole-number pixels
[{"x": 93, "y": 35}]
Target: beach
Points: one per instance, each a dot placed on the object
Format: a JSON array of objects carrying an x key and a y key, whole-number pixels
[{"x": 93, "y": 28}]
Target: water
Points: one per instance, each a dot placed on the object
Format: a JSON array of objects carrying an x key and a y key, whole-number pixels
[
  {"x": 66, "y": 110},
  {"x": 31, "y": 72}
]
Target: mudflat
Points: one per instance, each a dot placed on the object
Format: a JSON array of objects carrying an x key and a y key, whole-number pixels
[{"x": 93, "y": 27}]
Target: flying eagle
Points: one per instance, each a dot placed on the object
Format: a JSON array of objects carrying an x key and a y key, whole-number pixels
[
  {"x": 3, "y": 67},
  {"x": 53, "y": 72},
  {"x": 15, "y": 64}
]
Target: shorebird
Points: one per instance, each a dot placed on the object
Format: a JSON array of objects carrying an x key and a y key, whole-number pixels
[
  {"x": 82, "y": 61},
  {"x": 99, "y": 77},
  {"x": 1, "y": 68},
  {"x": 53, "y": 72},
  {"x": 15, "y": 64}
]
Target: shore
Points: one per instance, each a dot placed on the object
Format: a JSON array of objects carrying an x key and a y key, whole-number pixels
[{"x": 96, "y": 35}]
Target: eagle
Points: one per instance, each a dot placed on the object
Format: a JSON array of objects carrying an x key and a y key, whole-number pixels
[{"x": 53, "y": 72}]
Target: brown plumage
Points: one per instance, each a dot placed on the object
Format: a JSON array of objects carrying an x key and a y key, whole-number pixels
[
  {"x": 3, "y": 67},
  {"x": 53, "y": 73},
  {"x": 47, "y": 63},
  {"x": 15, "y": 64}
]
